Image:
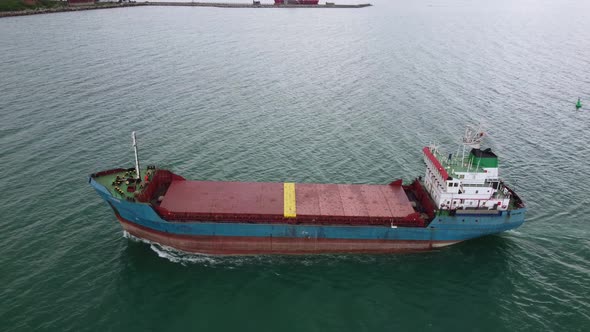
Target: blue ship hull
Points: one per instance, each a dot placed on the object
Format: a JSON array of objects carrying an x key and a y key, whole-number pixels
[{"x": 140, "y": 220}]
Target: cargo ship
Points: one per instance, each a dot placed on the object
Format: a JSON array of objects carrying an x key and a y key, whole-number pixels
[
  {"x": 460, "y": 197},
  {"x": 296, "y": 2}
]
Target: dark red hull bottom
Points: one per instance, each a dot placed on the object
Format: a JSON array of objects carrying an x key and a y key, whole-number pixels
[{"x": 244, "y": 245}]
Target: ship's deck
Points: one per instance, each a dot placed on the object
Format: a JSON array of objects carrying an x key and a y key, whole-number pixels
[
  {"x": 109, "y": 181},
  {"x": 286, "y": 200},
  {"x": 457, "y": 164}
]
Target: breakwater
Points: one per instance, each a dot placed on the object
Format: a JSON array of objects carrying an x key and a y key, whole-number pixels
[
  {"x": 68, "y": 9},
  {"x": 183, "y": 4},
  {"x": 251, "y": 5}
]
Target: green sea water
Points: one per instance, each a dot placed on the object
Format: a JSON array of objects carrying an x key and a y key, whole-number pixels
[{"x": 329, "y": 96}]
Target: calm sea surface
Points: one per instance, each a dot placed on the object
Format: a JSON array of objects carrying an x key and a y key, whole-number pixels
[{"x": 300, "y": 95}]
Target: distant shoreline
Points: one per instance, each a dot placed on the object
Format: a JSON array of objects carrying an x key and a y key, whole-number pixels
[
  {"x": 184, "y": 4},
  {"x": 67, "y": 9}
]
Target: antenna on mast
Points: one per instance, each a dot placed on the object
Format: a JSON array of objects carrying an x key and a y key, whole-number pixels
[
  {"x": 473, "y": 137},
  {"x": 137, "y": 175}
]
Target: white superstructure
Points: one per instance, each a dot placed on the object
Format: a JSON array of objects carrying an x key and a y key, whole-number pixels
[{"x": 466, "y": 182}]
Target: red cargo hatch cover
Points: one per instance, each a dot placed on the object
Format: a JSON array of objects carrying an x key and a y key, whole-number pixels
[
  {"x": 205, "y": 197},
  {"x": 266, "y": 199},
  {"x": 350, "y": 200}
]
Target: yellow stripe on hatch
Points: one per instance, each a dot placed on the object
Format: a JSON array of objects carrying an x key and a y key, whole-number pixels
[{"x": 289, "y": 199}]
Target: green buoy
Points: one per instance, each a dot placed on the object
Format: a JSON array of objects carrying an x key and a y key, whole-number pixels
[{"x": 578, "y": 104}]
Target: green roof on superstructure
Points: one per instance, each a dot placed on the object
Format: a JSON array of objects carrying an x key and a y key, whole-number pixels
[{"x": 483, "y": 158}]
